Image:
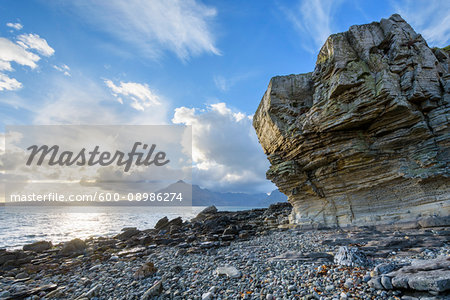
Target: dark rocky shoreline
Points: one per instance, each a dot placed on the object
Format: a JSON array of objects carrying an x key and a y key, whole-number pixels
[{"x": 237, "y": 255}]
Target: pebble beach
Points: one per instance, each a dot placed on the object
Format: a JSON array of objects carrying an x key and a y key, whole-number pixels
[{"x": 262, "y": 259}]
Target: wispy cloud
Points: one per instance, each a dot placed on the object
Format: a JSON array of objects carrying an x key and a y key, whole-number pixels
[
  {"x": 34, "y": 41},
  {"x": 313, "y": 20},
  {"x": 63, "y": 69},
  {"x": 13, "y": 53},
  {"x": 140, "y": 94},
  {"x": 430, "y": 18},
  {"x": 180, "y": 26},
  {"x": 226, "y": 83},
  {"x": 16, "y": 26},
  {"x": 9, "y": 84}
]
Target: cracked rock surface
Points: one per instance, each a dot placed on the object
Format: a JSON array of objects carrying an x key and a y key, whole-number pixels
[{"x": 364, "y": 139}]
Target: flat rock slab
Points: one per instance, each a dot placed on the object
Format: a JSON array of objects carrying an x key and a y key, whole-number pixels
[
  {"x": 298, "y": 256},
  {"x": 423, "y": 275}
]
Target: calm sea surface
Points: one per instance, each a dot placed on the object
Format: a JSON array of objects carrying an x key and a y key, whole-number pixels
[{"x": 27, "y": 224}]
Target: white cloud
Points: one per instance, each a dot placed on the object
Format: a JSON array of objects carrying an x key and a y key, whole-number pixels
[
  {"x": 16, "y": 26},
  {"x": 430, "y": 18},
  {"x": 313, "y": 20},
  {"x": 140, "y": 94},
  {"x": 11, "y": 52},
  {"x": 5, "y": 66},
  {"x": 180, "y": 26},
  {"x": 7, "y": 83},
  {"x": 34, "y": 41},
  {"x": 18, "y": 53},
  {"x": 63, "y": 69},
  {"x": 225, "y": 149}
]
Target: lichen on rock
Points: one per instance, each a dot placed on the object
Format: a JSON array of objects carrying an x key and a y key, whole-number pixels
[{"x": 364, "y": 139}]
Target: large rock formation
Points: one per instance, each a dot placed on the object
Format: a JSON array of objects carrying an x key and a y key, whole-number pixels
[{"x": 364, "y": 139}]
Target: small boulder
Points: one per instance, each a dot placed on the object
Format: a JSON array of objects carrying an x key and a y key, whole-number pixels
[
  {"x": 385, "y": 268},
  {"x": 231, "y": 229},
  {"x": 22, "y": 275},
  {"x": 127, "y": 234},
  {"x": 161, "y": 223},
  {"x": 145, "y": 270},
  {"x": 210, "y": 210},
  {"x": 73, "y": 247},
  {"x": 375, "y": 283},
  {"x": 386, "y": 282},
  {"x": 351, "y": 257},
  {"x": 434, "y": 222},
  {"x": 230, "y": 271},
  {"x": 40, "y": 246}
]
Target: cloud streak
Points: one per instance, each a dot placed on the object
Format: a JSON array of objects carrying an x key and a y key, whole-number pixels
[
  {"x": 140, "y": 94},
  {"x": 180, "y": 26},
  {"x": 16, "y": 26},
  {"x": 313, "y": 20},
  {"x": 35, "y": 42},
  {"x": 430, "y": 18}
]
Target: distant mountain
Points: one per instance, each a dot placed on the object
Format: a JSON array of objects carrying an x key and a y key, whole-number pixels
[
  {"x": 275, "y": 197},
  {"x": 205, "y": 197},
  {"x": 200, "y": 197}
]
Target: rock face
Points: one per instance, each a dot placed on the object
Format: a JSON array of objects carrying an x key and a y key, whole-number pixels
[{"x": 364, "y": 139}]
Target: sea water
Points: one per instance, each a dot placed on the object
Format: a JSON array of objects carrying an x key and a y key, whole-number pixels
[{"x": 20, "y": 225}]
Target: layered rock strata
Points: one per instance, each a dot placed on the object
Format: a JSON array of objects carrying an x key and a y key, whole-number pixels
[{"x": 364, "y": 139}]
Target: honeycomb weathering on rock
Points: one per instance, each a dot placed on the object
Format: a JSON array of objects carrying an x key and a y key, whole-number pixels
[{"x": 364, "y": 139}]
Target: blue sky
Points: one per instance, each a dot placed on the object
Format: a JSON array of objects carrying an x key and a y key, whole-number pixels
[{"x": 202, "y": 63}]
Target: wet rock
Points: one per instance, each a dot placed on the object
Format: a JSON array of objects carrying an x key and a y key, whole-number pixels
[{"x": 40, "y": 246}]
